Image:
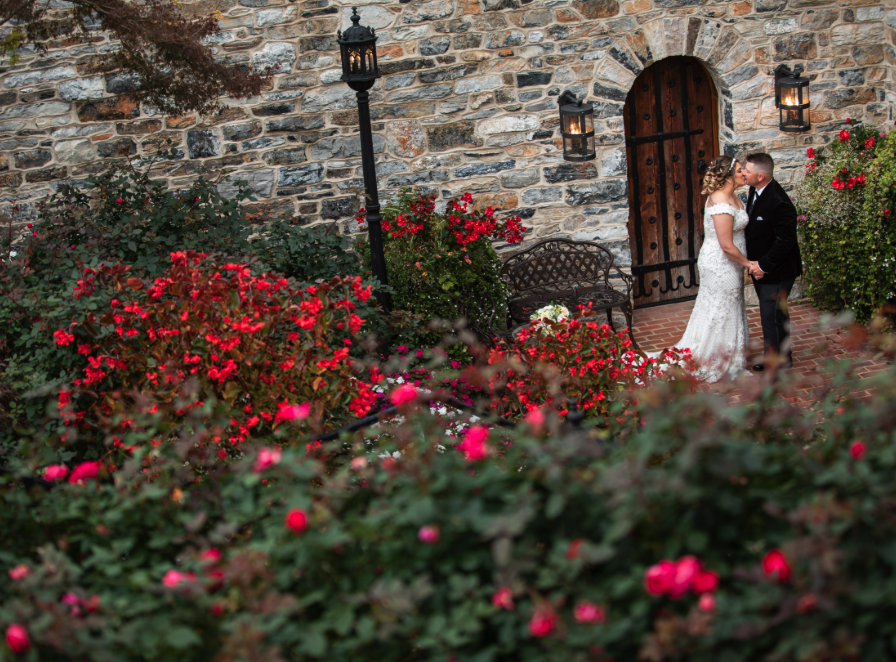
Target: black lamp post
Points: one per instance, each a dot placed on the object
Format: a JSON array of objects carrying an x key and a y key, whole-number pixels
[
  {"x": 359, "y": 69},
  {"x": 792, "y": 99},
  {"x": 576, "y": 127}
]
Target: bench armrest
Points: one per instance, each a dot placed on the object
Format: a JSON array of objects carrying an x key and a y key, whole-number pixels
[{"x": 628, "y": 280}]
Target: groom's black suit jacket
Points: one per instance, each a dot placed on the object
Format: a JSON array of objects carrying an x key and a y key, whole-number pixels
[{"x": 771, "y": 234}]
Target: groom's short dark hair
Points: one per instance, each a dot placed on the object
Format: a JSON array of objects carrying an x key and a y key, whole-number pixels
[{"x": 763, "y": 163}]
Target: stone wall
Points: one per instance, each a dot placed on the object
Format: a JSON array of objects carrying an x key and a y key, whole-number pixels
[{"x": 467, "y": 101}]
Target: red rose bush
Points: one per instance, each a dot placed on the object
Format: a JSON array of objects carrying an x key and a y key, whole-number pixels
[{"x": 267, "y": 354}]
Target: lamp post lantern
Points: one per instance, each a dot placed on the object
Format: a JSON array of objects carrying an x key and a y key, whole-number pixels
[
  {"x": 576, "y": 127},
  {"x": 359, "y": 69},
  {"x": 792, "y": 99}
]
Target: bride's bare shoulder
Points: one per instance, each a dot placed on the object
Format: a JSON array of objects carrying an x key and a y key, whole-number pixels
[{"x": 715, "y": 200}]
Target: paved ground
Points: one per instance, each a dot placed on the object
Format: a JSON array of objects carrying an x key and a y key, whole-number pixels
[{"x": 660, "y": 327}]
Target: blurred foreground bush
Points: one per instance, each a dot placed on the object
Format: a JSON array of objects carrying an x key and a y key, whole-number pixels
[{"x": 529, "y": 544}]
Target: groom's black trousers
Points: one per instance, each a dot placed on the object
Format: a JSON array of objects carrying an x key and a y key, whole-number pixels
[{"x": 773, "y": 313}]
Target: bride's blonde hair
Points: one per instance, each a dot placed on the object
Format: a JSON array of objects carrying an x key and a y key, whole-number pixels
[{"x": 721, "y": 168}]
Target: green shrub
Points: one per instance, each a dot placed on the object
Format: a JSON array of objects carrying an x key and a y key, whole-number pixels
[
  {"x": 847, "y": 226},
  {"x": 537, "y": 552},
  {"x": 308, "y": 254},
  {"x": 443, "y": 266}
]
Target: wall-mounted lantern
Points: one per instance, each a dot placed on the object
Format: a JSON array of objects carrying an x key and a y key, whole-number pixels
[
  {"x": 576, "y": 127},
  {"x": 792, "y": 98}
]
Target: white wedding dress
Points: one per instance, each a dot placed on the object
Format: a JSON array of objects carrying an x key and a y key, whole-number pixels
[{"x": 717, "y": 332}]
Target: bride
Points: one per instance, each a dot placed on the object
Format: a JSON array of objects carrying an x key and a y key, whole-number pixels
[{"x": 717, "y": 332}]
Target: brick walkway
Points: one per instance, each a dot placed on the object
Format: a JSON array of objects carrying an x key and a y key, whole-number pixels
[{"x": 660, "y": 327}]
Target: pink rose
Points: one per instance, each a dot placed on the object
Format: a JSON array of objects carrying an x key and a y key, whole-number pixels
[
  {"x": 267, "y": 457},
  {"x": 658, "y": 578},
  {"x": 83, "y": 472},
  {"x": 296, "y": 520},
  {"x": 19, "y": 572},
  {"x": 535, "y": 419},
  {"x": 429, "y": 534},
  {"x": 588, "y": 612},
  {"x": 706, "y": 602},
  {"x": 174, "y": 577},
  {"x": 542, "y": 623},
  {"x": 17, "y": 638},
  {"x": 775, "y": 566},
  {"x": 503, "y": 598},
  {"x": 403, "y": 394},
  {"x": 287, "y": 412},
  {"x": 55, "y": 472},
  {"x": 473, "y": 445}
]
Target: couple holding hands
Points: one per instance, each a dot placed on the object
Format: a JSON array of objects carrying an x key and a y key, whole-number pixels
[{"x": 760, "y": 237}]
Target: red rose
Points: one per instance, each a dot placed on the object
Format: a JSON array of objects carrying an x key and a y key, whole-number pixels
[
  {"x": 296, "y": 520},
  {"x": 17, "y": 638},
  {"x": 658, "y": 578},
  {"x": 211, "y": 555},
  {"x": 775, "y": 566},
  {"x": 857, "y": 449},
  {"x": 706, "y": 581},
  {"x": 685, "y": 571},
  {"x": 429, "y": 534},
  {"x": 542, "y": 623},
  {"x": 83, "y": 472}
]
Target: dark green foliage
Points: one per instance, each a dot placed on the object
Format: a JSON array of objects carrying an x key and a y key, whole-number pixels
[
  {"x": 306, "y": 254},
  {"x": 723, "y": 483}
]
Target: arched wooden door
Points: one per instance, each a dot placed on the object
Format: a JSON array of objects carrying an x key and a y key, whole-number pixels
[{"x": 671, "y": 134}]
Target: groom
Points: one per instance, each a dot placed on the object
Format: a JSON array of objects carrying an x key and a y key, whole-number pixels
[{"x": 772, "y": 250}]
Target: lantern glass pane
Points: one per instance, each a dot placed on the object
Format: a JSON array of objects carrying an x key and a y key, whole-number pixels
[
  {"x": 572, "y": 124},
  {"x": 791, "y": 117},
  {"x": 589, "y": 122},
  {"x": 790, "y": 96},
  {"x": 573, "y": 146},
  {"x": 590, "y": 145}
]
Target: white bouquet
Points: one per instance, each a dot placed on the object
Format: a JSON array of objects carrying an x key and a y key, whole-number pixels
[{"x": 553, "y": 312}]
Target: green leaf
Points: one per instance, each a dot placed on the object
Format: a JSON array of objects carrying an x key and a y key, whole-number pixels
[{"x": 180, "y": 637}]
